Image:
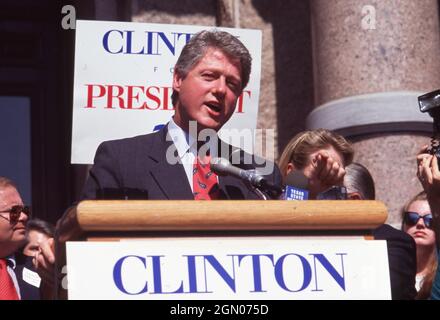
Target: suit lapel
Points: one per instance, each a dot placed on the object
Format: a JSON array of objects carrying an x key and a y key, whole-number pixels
[{"x": 170, "y": 178}]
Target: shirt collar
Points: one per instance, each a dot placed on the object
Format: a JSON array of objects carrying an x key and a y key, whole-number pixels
[
  {"x": 11, "y": 261},
  {"x": 185, "y": 142},
  {"x": 181, "y": 139}
]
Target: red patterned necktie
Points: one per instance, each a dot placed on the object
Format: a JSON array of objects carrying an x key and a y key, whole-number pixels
[
  {"x": 7, "y": 288},
  {"x": 205, "y": 186}
]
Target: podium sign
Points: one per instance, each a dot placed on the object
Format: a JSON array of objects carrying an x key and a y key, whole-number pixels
[{"x": 271, "y": 268}]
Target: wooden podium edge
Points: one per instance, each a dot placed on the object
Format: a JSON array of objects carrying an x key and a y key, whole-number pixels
[{"x": 112, "y": 220}]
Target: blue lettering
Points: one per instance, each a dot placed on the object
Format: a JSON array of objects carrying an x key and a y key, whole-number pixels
[
  {"x": 105, "y": 41},
  {"x": 187, "y": 36},
  {"x": 340, "y": 279},
  {"x": 118, "y": 41},
  {"x": 256, "y": 267},
  {"x": 117, "y": 277},
  {"x": 167, "y": 42},
  {"x": 192, "y": 275},
  {"x": 279, "y": 276},
  {"x": 230, "y": 281},
  {"x": 128, "y": 49},
  {"x": 150, "y": 42},
  {"x": 157, "y": 276}
]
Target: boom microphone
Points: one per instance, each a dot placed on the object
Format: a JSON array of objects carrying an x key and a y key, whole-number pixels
[{"x": 223, "y": 167}]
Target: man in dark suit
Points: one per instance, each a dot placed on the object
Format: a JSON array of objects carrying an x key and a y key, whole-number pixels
[
  {"x": 18, "y": 280},
  {"x": 402, "y": 261},
  {"x": 209, "y": 76},
  {"x": 401, "y": 246}
]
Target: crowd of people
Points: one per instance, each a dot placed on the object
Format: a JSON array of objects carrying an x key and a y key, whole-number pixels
[{"x": 209, "y": 76}]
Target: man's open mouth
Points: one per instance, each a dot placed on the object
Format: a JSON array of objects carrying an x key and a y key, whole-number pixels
[{"x": 213, "y": 106}]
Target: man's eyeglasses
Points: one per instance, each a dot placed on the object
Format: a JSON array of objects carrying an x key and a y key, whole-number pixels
[
  {"x": 411, "y": 219},
  {"x": 14, "y": 213}
]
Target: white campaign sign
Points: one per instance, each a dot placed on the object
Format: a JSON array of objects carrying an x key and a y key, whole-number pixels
[
  {"x": 228, "y": 269},
  {"x": 123, "y": 81}
]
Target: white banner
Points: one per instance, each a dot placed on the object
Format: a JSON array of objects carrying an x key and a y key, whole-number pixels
[
  {"x": 123, "y": 81},
  {"x": 228, "y": 269}
]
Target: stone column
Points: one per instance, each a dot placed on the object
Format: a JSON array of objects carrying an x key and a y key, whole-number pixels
[{"x": 371, "y": 61}]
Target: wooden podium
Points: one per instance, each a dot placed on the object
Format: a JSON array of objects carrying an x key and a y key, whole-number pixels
[{"x": 113, "y": 220}]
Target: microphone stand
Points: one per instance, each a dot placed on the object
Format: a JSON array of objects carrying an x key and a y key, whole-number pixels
[
  {"x": 260, "y": 193},
  {"x": 265, "y": 195}
]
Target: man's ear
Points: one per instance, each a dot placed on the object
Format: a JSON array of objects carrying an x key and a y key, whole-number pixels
[
  {"x": 354, "y": 196},
  {"x": 177, "y": 82}
]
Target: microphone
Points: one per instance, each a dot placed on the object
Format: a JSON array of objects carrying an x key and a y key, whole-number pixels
[
  {"x": 297, "y": 186},
  {"x": 223, "y": 167}
]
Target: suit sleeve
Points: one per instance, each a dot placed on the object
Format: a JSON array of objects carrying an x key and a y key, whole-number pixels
[
  {"x": 401, "y": 260},
  {"x": 105, "y": 173}
]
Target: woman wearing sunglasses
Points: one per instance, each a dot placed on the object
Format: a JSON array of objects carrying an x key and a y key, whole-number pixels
[{"x": 417, "y": 222}]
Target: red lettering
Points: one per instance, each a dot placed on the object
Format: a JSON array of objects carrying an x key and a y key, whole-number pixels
[
  {"x": 240, "y": 101},
  {"x": 134, "y": 97},
  {"x": 110, "y": 96},
  {"x": 91, "y": 96},
  {"x": 131, "y": 97},
  {"x": 153, "y": 97},
  {"x": 167, "y": 98}
]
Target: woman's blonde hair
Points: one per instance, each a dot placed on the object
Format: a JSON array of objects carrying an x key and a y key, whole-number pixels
[
  {"x": 426, "y": 285},
  {"x": 301, "y": 146}
]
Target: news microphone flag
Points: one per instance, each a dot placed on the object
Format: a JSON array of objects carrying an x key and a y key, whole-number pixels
[
  {"x": 292, "y": 193},
  {"x": 296, "y": 186}
]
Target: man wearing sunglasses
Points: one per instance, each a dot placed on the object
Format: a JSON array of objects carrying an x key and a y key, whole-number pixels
[{"x": 17, "y": 278}]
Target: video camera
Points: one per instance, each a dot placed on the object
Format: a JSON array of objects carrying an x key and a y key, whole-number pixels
[{"x": 430, "y": 102}]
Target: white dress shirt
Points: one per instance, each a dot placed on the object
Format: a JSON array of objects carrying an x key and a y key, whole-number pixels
[
  {"x": 186, "y": 146},
  {"x": 10, "y": 266}
]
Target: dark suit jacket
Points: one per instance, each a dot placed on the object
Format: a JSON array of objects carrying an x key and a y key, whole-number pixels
[
  {"x": 137, "y": 168},
  {"x": 402, "y": 261},
  {"x": 27, "y": 290}
]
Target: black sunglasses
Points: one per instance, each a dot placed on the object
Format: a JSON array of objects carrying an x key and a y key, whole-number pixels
[
  {"x": 411, "y": 219},
  {"x": 14, "y": 213}
]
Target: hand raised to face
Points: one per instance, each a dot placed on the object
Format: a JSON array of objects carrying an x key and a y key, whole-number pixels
[
  {"x": 428, "y": 172},
  {"x": 325, "y": 170},
  {"x": 429, "y": 176}
]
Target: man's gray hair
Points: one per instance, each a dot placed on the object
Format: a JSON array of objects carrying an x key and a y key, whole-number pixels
[
  {"x": 196, "y": 49},
  {"x": 358, "y": 179}
]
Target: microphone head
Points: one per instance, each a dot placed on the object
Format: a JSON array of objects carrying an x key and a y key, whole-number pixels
[
  {"x": 297, "y": 186},
  {"x": 297, "y": 179},
  {"x": 220, "y": 166}
]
